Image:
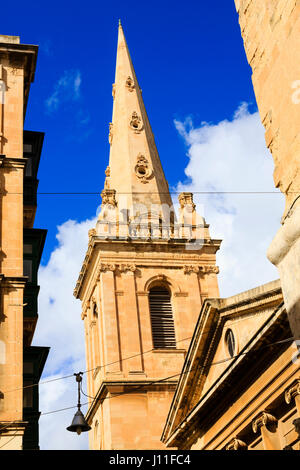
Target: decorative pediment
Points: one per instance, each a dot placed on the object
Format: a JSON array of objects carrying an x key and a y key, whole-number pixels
[{"x": 209, "y": 366}]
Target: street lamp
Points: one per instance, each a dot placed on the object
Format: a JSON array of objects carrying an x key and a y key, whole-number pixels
[{"x": 79, "y": 424}]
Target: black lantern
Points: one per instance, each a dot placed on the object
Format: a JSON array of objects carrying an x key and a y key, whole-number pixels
[{"x": 79, "y": 423}]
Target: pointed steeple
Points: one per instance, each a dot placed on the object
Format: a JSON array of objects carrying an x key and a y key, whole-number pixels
[{"x": 135, "y": 173}]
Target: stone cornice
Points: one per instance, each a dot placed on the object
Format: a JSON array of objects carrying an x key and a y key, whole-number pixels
[
  {"x": 12, "y": 162},
  {"x": 7, "y": 427},
  {"x": 142, "y": 385},
  {"x": 144, "y": 261},
  {"x": 252, "y": 299},
  {"x": 13, "y": 281}
]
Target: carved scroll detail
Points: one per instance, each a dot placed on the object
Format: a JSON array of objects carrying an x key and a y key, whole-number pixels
[
  {"x": 136, "y": 122},
  {"x": 130, "y": 84},
  {"x": 263, "y": 419}
]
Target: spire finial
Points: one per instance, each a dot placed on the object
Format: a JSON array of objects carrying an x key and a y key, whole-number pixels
[{"x": 120, "y": 24}]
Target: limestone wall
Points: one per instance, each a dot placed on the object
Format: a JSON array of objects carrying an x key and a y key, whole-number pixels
[{"x": 271, "y": 34}]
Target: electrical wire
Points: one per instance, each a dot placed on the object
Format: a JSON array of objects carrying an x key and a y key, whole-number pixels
[
  {"x": 156, "y": 192},
  {"x": 89, "y": 370},
  {"x": 98, "y": 193},
  {"x": 94, "y": 368},
  {"x": 221, "y": 361},
  {"x": 38, "y": 383},
  {"x": 133, "y": 390}
]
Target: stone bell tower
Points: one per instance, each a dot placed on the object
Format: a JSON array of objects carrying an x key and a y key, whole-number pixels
[{"x": 142, "y": 282}]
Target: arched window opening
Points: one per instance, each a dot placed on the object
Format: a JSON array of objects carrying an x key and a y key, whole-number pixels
[
  {"x": 230, "y": 342},
  {"x": 95, "y": 311},
  {"x": 162, "y": 322}
]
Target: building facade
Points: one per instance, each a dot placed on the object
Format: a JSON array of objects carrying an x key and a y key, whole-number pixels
[
  {"x": 239, "y": 389},
  {"x": 240, "y": 386},
  {"x": 271, "y": 34},
  {"x": 144, "y": 278},
  {"x": 21, "y": 364}
]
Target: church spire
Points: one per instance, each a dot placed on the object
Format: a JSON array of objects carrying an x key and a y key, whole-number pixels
[{"x": 135, "y": 174}]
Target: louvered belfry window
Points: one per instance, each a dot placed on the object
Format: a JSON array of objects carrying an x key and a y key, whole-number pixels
[{"x": 163, "y": 331}]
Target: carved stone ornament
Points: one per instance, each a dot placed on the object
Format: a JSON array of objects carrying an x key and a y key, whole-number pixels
[
  {"x": 136, "y": 122},
  {"x": 130, "y": 84},
  {"x": 292, "y": 391},
  {"x": 109, "y": 197},
  {"x": 236, "y": 444},
  {"x": 209, "y": 269},
  {"x": 264, "y": 419},
  {"x": 186, "y": 199},
  {"x": 110, "y": 135},
  {"x": 204, "y": 269},
  {"x": 92, "y": 232},
  {"x": 142, "y": 169},
  {"x": 113, "y": 90},
  {"x": 103, "y": 267},
  {"x": 127, "y": 267},
  {"x": 190, "y": 269}
]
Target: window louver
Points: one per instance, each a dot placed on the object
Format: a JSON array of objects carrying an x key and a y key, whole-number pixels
[{"x": 163, "y": 331}]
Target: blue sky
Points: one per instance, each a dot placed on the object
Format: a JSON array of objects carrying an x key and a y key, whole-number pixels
[
  {"x": 191, "y": 65},
  {"x": 189, "y": 60}
]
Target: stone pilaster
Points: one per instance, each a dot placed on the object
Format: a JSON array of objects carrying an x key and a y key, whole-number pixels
[
  {"x": 134, "y": 365},
  {"x": 293, "y": 393},
  {"x": 111, "y": 340},
  {"x": 266, "y": 424}
]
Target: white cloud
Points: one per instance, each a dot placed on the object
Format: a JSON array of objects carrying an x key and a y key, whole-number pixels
[
  {"x": 60, "y": 327},
  {"x": 67, "y": 88},
  {"x": 232, "y": 156}
]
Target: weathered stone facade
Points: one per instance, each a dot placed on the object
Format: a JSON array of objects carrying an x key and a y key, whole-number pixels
[
  {"x": 13, "y": 70},
  {"x": 17, "y": 68},
  {"x": 271, "y": 33},
  {"x": 136, "y": 247},
  {"x": 239, "y": 389}
]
